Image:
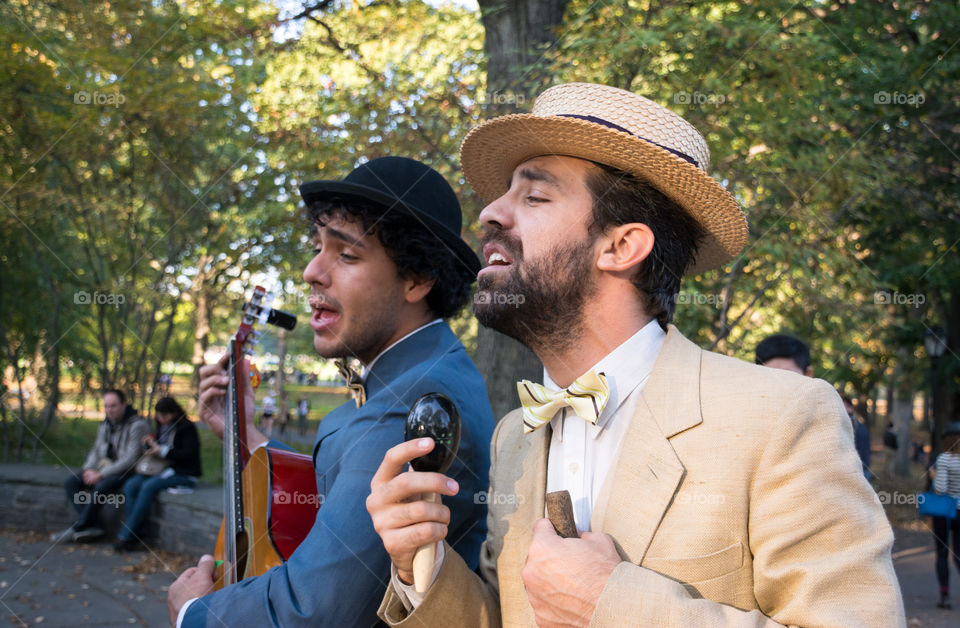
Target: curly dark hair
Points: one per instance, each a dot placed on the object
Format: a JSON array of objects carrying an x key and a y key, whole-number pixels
[
  {"x": 620, "y": 198},
  {"x": 415, "y": 251}
]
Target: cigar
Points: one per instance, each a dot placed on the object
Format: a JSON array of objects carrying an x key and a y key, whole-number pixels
[{"x": 560, "y": 513}]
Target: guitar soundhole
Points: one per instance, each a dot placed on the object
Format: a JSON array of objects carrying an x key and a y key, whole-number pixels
[{"x": 242, "y": 547}]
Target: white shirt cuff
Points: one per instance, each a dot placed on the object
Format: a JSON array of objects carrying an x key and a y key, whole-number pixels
[
  {"x": 183, "y": 611},
  {"x": 164, "y": 450},
  {"x": 407, "y": 592}
]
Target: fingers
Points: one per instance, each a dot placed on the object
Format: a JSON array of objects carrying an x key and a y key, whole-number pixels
[
  {"x": 402, "y": 543},
  {"x": 403, "y": 519},
  {"x": 413, "y": 513},
  {"x": 217, "y": 368},
  {"x": 206, "y": 565},
  {"x": 397, "y": 458}
]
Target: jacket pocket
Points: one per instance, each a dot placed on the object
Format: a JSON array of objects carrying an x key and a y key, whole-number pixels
[{"x": 699, "y": 568}]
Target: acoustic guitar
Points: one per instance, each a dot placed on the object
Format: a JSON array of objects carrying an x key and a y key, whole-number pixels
[{"x": 270, "y": 498}]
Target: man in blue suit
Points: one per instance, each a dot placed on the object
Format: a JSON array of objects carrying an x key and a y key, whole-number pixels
[{"x": 389, "y": 266}]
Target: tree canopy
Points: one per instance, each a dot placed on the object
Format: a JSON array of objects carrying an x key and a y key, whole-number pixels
[{"x": 150, "y": 155}]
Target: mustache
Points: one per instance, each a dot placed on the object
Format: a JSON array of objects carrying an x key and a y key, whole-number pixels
[
  {"x": 510, "y": 243},
  {"x": 317, "y": 299}
]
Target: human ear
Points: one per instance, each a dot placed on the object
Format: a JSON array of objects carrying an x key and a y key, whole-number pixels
[{"x": 625, "y": 246}]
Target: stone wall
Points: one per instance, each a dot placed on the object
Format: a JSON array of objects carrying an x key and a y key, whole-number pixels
[{"x": 32, "y": 497}]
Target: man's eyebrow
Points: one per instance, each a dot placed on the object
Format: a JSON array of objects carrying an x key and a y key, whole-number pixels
[
  {"x": 536, "y": 174},
  {"x": 336, "y": 233},
  {"x": 344, "y": 236}
]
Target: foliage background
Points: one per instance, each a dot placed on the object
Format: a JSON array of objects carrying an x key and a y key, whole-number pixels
[{"x": 150, "y": 155}]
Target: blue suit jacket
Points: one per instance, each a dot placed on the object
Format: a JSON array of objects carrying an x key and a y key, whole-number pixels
[{"x": 338, "y": 575}]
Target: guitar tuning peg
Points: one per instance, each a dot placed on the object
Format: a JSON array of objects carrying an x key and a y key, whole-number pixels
[{"x": 248, "y": 352}]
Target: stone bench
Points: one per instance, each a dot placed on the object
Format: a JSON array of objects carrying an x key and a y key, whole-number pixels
[{"x": 32, "y": 498}]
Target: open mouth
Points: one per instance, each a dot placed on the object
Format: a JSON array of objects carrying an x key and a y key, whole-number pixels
[
  {"x": 496, "y": 257},
  {"x": 324, "y": 315}
]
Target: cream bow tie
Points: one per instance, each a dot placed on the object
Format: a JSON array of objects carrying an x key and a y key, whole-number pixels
[
  {"x": 587, "y": 396},
  {"x": 354, "y": 382}
]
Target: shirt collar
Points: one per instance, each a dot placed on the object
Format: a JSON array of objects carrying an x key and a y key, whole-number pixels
[
  {"x": 365, "y": 369},
  {"x": 626, "y": 368}
]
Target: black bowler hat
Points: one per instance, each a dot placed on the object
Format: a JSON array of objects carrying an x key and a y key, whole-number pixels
[
  {"x": 405, "y": 184},
  {"x": 951, "y": 428}
]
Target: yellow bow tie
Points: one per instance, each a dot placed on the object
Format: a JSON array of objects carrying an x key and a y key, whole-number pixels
[
  {"x": 354, "y": 382},
  {"x": 587, "y": 396}
]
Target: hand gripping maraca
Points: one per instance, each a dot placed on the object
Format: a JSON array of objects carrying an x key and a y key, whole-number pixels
[{"x": 432, "y": 415}]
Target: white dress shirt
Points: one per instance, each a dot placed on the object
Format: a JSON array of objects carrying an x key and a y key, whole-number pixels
[{"x": 581, "y": 454}]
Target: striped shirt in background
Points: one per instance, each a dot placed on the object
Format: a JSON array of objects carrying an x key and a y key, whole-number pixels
[{"x": 948, "y": 474}]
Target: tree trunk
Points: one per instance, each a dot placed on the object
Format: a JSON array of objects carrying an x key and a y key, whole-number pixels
[
  {"x": 201, "y": 333},
  {"x": 278, "y": 381},
  {"x": 902, "y": 416},
  {"x": 158, "y": 368},
  {"x": 517, "y": 35}
]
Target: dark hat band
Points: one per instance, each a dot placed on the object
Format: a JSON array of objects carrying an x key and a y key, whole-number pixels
[{"x": 617, "y": 127}]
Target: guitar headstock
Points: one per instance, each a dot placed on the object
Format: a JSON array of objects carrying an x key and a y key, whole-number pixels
[{"x": 254, "y": 311}]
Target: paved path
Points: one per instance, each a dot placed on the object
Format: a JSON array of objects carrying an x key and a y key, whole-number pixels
[
  {"x": 42, "y": 584},
  {"x": 914, "y": 560},
  {"x": 69, "y": 585}
]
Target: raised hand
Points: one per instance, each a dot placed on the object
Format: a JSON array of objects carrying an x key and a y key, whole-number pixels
[
  {"x": 213, "y": 393},
  {"x": 403, "y": 520}
]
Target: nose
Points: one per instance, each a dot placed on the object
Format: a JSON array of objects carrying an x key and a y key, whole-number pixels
[
  {"x": 316, "y": 272},
  {"x": 498, "y": 214}
]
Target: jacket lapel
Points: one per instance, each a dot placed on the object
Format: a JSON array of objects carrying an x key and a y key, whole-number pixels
[
  {"x": 647, "y": 474},
  {"x": 528, "y": 469}
]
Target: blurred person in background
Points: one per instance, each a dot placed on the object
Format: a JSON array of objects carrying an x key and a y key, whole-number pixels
[
  {"x": 108, "y": 464},
  {"x": 175, "y": 445},
  {"x": 946, "y": 480}
]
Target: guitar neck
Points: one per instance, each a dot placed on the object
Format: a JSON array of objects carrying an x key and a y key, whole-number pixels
[{"x": 235, "y": 454}]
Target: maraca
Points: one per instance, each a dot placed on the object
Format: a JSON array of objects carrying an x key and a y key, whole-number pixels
[{"x": 432, "y": 415}]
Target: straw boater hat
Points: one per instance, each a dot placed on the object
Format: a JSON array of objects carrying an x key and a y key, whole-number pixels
[{"x": 619, "y": 129}]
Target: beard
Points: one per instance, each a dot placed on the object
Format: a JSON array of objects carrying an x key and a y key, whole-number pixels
[{"x": 540, "y": 303}]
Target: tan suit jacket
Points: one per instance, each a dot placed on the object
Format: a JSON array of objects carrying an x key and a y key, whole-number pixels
[{"x": 737, "y": 499}]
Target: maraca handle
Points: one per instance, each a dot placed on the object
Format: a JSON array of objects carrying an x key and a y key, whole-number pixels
[{"x": 425, "y": 556}]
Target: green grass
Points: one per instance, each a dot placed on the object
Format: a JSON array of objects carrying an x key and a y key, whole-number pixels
[{"x": 68, "y": 442}]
